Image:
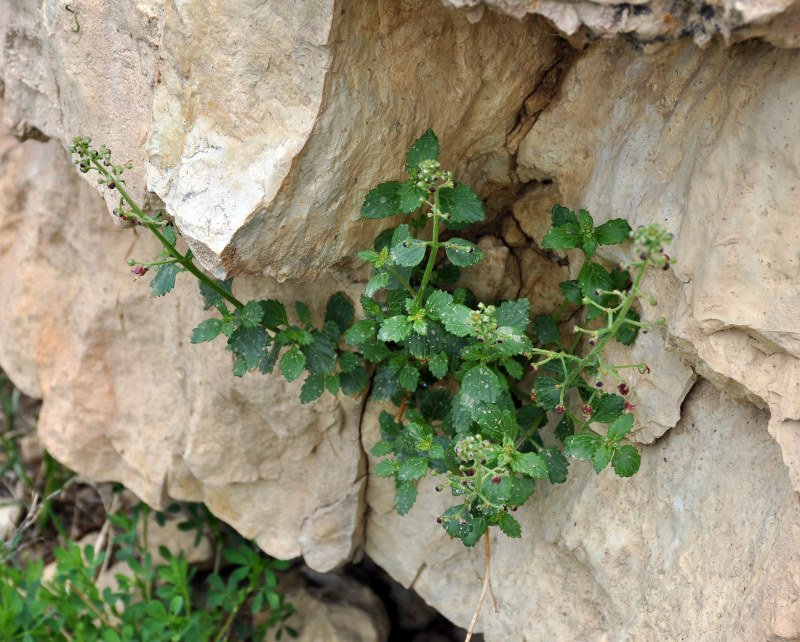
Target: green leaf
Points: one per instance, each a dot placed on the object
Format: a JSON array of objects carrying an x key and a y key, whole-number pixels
[
  {"x": 612, "y": 232},
  {"x": 448, "y": 273},
  {"x": 438, "y": 303},
  {"x": 562, "y": 215},
  {"x": 320, "y": 353},
  {"x": 548, "y": 392},
  {"x": 462, "y": 253},
  {"x": 563, "y": 237},
  {"x": 572, "y": 292},
  {"x": 164, "y": 279},
  {"x": 620, "y": 428},
  {"x": 208, "y": 330},
  {"x": 438, "y": 365},
  {"x": 456, "y": 320},
  {"x": 293, "y": 363},
  {"x": 513, "y": 368},
  {"x": 627, "y": 333},
  {"x": 509, "y": 525},
  {"x": 210, "y": 296},
  {"x": 547, "y": 330},
  {"x": 565, "y": 428},
  {"x": 514, "y": 314},
  {"x": 395, "y": 328},
  {"x": 601, "y": 457},
  {"x": 462, "y": 204},
  {"x": 360, "y": 332},
  {"x": 377, "y": 282},
  {"x": 385, "y": 384},
  {"x": 251, "y": 314},
  {"x": 457, "y": 521},
  {"x": 607, "y": 408},
  {"x": 382, "y": 201},
  {"x": 386, "y": 468},
  {"x": 593, "y": 276},
  {"x": 582, "y": 446},
  {"x": 479, "y": 527},
  {"x": 352, "y": 383},
  {"x": 312, "y": 389},
  {"x": 426, "y": 147},
  {"x": 521, "y": 489},
  {"x": 274, "y": 314},
  {"x": 529, "y": 464},
  {"x": 383, "y": 447},
  {"x": 405, "y": 497},
  {"x": 626, "y": 461},
  {"x": 413, "y": 468},
  {"x": 340, "y": 311},
  {"x": 250, "y": 344},
  {"x": 410, "y": 197},
  {"x": 332, "y": 383},
  {"x": 269, "y": 360},
  {"x": 497, "y": 492},
  {"x": 409, "y": 252},
  {"x": 303, "y": 313},
  {"x": 409, "y": 378},
  {"x": 480, "y": 384},
  {"x": 349, "y": 361},
  {"x": 368, "y": 256},
  {"x": 557, "y": 464}
]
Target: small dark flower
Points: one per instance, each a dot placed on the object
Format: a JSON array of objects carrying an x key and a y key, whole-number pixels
[
  {"x": 496, "y": 479},
  {"x": 559, "y": 409}
]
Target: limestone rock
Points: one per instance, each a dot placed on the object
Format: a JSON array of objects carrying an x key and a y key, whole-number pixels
[
  {"x": 127, "y": 398},
  {"x": 497, "y": 276},
  {"x": 695, "y": 153},
  {"x": 705, "y": 533},
  {"x": 540, "y": 279},
  {"x": 10, "y": 516}
]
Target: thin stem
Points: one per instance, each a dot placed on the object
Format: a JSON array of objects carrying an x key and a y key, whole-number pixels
[
  {"x": 435, "y": 245},
  {"x": 402, "y": 281},
  {"x": 70, "y": 586},
  {"x": 486, "y": 584}
]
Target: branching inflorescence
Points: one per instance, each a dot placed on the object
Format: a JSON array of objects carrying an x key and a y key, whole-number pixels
[{"x": 474, "y": 382}]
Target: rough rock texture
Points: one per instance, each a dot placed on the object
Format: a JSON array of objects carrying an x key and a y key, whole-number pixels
[
  {"x": 702, "y": 544},
  {"x": 655, "y": 21},
  {"x": 678, "y": 138},
  {"x": 127, "y": 398}
]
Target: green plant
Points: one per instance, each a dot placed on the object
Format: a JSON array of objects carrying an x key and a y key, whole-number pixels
[
  {"x": 152, "y": 602},
  {"x": 455, "y": 368}
]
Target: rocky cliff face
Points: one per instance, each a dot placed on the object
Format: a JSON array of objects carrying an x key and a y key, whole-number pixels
[{"x": 260, "y": 128}]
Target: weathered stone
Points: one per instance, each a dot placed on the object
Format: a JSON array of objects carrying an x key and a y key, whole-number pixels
[
  {"x": 533, "y": 210},
  {"x": 497, "y": 276},
  {"x": 127, "y": 398},
  {"x": 540, "y": 279},
  {"x": 695, "y": 153},
  {"x": 512, "y": 234},
  {"x": 704, "y": 535}
]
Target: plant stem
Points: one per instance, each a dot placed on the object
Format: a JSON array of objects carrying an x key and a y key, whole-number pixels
[
  {"x": 435, "y": 245},
  {"x": 70, "y": 586},
  {"x": 486, "y": 584}
]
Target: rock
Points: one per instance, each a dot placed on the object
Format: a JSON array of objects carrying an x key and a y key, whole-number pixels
[
  {"x": 497, "y": 276},
  {"x": 533, "y": 210},
  {"x": 178, "y": 541},
  {"x": 10, "y": 516},
  {"x": 127, "y": 398},
  {"x": 540, "y": 279},
  {"x": 704, "y": 533},
  {"x": 666, "y": 155},
  {"x": 512, "y": 234}
]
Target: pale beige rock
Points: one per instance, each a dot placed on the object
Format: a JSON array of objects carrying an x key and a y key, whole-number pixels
[
  {"x": 695, "y": 153},
  {"x": 10, "y": 516},
  {"x": 533, "y": 210},
  {"x": 704, "y": 537},
  {"x": 175, "y": 540},
  {"x": 497, "y": 276},
  {"x": 127, "y": 398},
  {"x": 540, "y": 279},
  {"x": 512, "y": 234}
]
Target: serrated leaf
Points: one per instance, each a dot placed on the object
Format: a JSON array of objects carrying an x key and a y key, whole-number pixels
[
  {"x": 547, "y": 330},
  {"x": 251, "y": 314},
  {"x": 509, "y": 525},
  {"x": 582, "y": 446},
  {"x": 377, "y": 282},
  {"x": 383, "y": 447},
  {"x": 405, "y": 497},
  {"x": 557, "y": 464},
  {"x": 513, "y": 368},
  {"x": 409, "y": 252},
  {"x": 410, "y": 197},
  {"x": 293, "y": 363},
  {"x": 462, "y": 204},
  {"x": 269, "y": 360},
  {"x": 612, "y": 232},
  {"x": 511, "y": 342},
  {"x": 593, "y": 276},
  {"x": 563, "y": 237},
  {"x": 413, "y": 468},
  {"x": 480, "y": 384},
  {"x": 348, "y": 361},
  {"x": 437, "y": 364},
  {"x": 332, "y": 383},
  {"x": 382, "y": 201},
  {"x": 620, "y": 428},
  {"x": 426, "y": 147},
  {"x": 207, "y": 330},
  {"x": 562, "y": 215},
  {"x": 374, "y": 351},
  {"x": 607, "y": 408},
  {"x": 456, "y": 320},
  {"x": 250, "y": 344},
  {"x": 514, "y": 314},
  {"x": 601, "y": 457},
  {"x": 320, "y": 354},
  {"x": 626, "y": 461},
  {"x": 368, "y": 256},
  {"x": 385, "y": 384},
  {"x": 340, "y": 311},
  {"x": 457, "y": 521},
  {"x": 360, "y": 332},
  {"x": 164, "y": 279},
  {"x": 529, "y": 464},
  {"x": 352, "y": 383},
  {"x": 386, "y": 468},
  {"x": 438, "y": 303},
  {"x": 497, "y": 491},
  {"x": 395, "y": 328},
  {"x": 565, "y": 428},
  {"x": 548, "y": 392},
  {"x": 462, "y": 253},
  {"x": 210, "y": 296},
  {"x": 479, "y": 527},
  {"x": 274, "y": 314},
  {"x": 303, "y": 313},
  {"x": 627, "y": 333},
  {"x": 312, "y": 389},
  {"x": 572, "y": 292},
  {"x": 521, "y": 489},
  {"x": 409, "y": 378}
]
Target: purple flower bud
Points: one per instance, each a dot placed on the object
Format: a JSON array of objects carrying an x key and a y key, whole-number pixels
[
  {"x": 559, "y": 409},
  {"x": 111, "y": 184},
  {"x": 496, "y": 479},
  {"x": 438, "y": 520}
]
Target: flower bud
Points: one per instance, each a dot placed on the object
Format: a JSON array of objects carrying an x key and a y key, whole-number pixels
[
  {"x": 496, "y": 479},
  {"x": 560, "y": 409}
]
